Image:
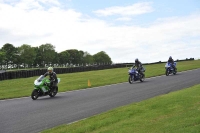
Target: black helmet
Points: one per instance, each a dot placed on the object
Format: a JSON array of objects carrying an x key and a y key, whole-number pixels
[
  {"x": 136, "y": 60},
  {"x": 170, "y": 57}
]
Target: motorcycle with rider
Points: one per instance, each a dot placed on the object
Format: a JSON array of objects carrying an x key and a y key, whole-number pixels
[
  {"x": 170, "y": 67},
  {"x": 46, "y": 86},
  {"x": 136, "y": 74}
]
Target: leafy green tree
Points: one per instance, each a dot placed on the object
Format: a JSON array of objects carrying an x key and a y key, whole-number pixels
[
  {"x": 64, "y": 57},
  {"x": 102, "y": 58},
  {"x": 75, "y": 56},
  {"x": 18, "y": 60},
  {"x": 81, "y": 57},
  {"x": 2, "y": 56},
  {"x": 10, "y": 53},
  {"x": 37, "y": 61},
  {"x": 87, "y": 58},
  {"x": 56, "y": 59},
  {"x": 27, "y": 54},
  {"x": 47, "y": 53}
]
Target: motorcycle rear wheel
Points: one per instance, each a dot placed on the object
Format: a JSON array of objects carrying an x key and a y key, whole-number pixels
[
  {"x": 53, "y": 92},
  {"x": 34, "y": 94},
  {"x": 175, "y": 72},
  {"x": 142, "y": 79}
]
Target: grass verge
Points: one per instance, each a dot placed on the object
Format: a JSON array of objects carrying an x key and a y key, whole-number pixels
[
  {"x": 176, "y": 112},
  {"x": 73, "y": 81}
]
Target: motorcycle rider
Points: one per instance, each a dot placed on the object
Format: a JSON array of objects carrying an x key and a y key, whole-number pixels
[
  {"x": 138, "y": 66},
  {"x": 171, "y": 61},
  {"x": 52, "y": 77}
]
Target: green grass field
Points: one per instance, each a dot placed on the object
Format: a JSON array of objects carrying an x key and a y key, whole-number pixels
[
  {"x": 73, "y": 81},
  {"x": 176, "y": 112}
]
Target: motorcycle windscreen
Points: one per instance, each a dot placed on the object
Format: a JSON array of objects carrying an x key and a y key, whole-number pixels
[
  {"x": 58, "y": 80},
  {"x": 40, "y": 78}
]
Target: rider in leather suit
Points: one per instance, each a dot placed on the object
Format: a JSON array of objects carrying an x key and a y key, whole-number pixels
[
  {"x": 170, "y": 60},
  {"x": 139, "y": 67},
  {"x": 52, "y": 77}
]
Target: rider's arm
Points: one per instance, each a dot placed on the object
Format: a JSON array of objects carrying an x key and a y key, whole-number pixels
[
  {"x": 140, "y": 65},
  {"x": 168, "y": 62},
  {"x": 55, "y": 77},
  {"x": 46, "y": 74}
]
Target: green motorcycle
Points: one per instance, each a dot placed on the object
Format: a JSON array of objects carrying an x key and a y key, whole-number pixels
[{"x": 42, "y": 88}]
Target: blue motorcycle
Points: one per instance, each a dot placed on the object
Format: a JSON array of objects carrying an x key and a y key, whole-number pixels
[
  {"x": 134, "y": 75},
  {"x": 170, "y": 69}
]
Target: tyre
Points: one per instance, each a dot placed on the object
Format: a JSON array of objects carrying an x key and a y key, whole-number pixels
[
  {"x": 53, "y": 92},
  {"x": 175, "y": 72},
  {"x": 130, "y": 79},
  {"x": 34, "y": 94},
  {"x": 142, "y": 78},
  {"x": 167, "y": 72}
]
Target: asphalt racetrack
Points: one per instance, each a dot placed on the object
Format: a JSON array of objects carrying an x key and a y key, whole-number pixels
[{"x": 25, "y": 115}]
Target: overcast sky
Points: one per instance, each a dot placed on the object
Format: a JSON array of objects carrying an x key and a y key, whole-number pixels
[{"x": 151, "y": 30}]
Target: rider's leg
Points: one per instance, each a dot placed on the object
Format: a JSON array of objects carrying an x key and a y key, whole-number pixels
[
  {"x": 141, "y": 73},
  {"x": 54, "y": 85},
  {"x": 174, "y": 67}
]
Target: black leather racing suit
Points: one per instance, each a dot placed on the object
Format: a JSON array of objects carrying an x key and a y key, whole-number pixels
[
  {"x": 138, "y": 65},
  {"x": 52, "y": 78},
  {"x": 172, "y": 62}
]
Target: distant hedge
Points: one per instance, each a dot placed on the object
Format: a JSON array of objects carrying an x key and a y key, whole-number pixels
[
  {"x": 30, "y": 73},
  {"x": 5, "y": 75}
]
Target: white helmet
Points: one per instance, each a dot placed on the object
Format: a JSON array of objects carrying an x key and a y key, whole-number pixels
[{"x": 50, "y": 69}]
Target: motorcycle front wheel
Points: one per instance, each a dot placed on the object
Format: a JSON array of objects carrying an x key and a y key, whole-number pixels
[
  {"x": 53, "y": 92},
  {"x": 34, "y": 94},
  {"x": 130, "y": 79},
  {"x": 167, "y": 72}
]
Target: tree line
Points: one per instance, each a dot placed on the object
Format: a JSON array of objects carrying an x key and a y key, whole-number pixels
[{"x": 45, "y": 55}]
